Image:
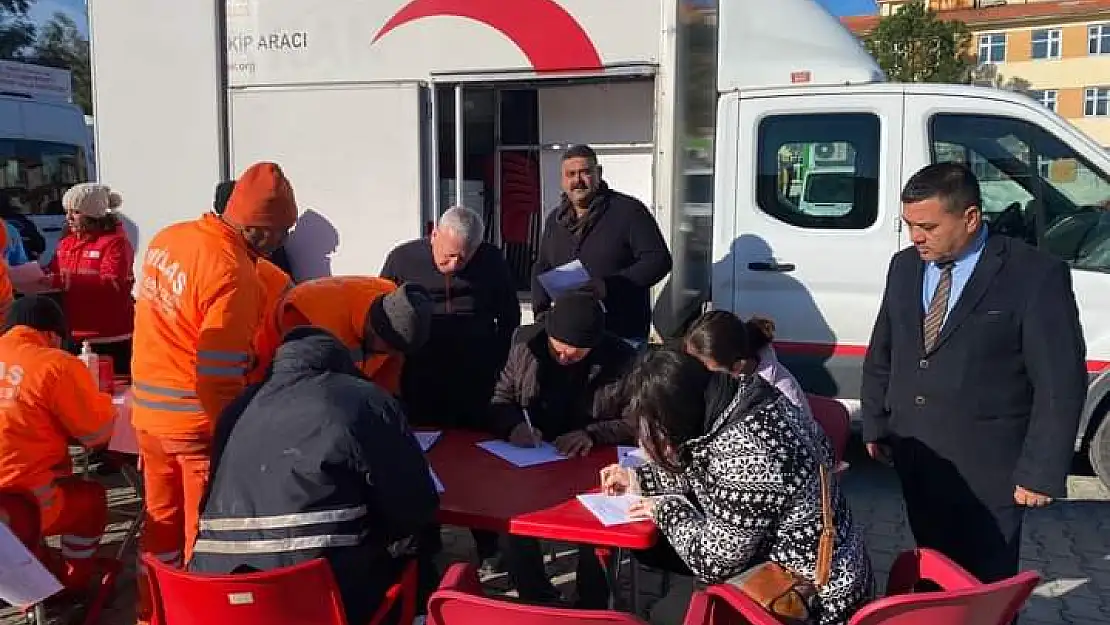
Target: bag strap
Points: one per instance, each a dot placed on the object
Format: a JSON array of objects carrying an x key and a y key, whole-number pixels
[{"x": 828, "y": 531}]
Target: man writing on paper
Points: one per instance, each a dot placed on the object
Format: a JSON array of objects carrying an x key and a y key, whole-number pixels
[
  {"x": 329, "y": 454},
  {"x": 613, "y": 236},
  {"x": 559, "y": 373}
]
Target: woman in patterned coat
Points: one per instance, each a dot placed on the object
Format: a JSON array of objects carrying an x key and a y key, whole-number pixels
[{"x": 733, "y": 479}]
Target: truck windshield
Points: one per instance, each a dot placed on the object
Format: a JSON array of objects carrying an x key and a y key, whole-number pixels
[
  {"x": 1034, "y": 186},
  {"x": 35, "y": 174},
  {"x": 830, "y": 188}
]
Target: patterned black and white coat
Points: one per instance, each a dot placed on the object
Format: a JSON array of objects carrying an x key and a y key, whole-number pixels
[{"x": 751, "y": 492}]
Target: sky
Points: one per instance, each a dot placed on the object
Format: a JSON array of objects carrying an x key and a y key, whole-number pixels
[{"x": 42, "y": 10}]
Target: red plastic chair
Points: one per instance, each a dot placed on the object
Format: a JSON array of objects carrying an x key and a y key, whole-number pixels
[
  {"x": 964, "y": 600},
  {"x": 459, "y": 601},
  {"x": 835, "y": 420},
  {"x": 304, "y": 594}
]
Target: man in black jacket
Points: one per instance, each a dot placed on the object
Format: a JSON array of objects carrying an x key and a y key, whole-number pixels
[
  {"x": 614, "y": 237},
  {"x": 449, "y": 381},
  {"x": 975, "y": 378},
  {"x": 331, "y": 454}
]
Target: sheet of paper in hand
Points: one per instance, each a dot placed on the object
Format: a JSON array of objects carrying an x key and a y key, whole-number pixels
[
  {"x": 609, "y": 509},
  {"x": 24, "y": 580},
  {"x": 630, "y": 456},
  {"x": 426, "y": 439},
  {"x": 523, "y": 456},
  {"x": 563, "y": 278}
]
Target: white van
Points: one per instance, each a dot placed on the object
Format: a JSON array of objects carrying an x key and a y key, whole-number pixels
[
  {"x": 44, "y": 145},
  {"x": 827, "y": 192}
]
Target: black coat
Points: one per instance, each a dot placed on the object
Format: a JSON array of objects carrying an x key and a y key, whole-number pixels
[
  {"x": 449, "y": 381},
  {"x": 1000, "y": 396},
  {"x": 318, "y": 443},
  {"x": 622, "y": 246}
]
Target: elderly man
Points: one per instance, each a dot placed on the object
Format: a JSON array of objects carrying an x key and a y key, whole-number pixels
[
  {"x": 449, "y": 381},
  {"x": 614, "y": 237}
]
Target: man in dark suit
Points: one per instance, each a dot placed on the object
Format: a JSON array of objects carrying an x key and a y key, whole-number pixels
[{"x": 975, "y": 377}]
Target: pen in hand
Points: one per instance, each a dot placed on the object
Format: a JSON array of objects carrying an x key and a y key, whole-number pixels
[{"x": 531, "y": 430}]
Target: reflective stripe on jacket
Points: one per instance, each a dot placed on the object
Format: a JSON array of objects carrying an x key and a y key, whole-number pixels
[
  {"x": 47, "y": 398},
  {"x": 198, "y": 306}
]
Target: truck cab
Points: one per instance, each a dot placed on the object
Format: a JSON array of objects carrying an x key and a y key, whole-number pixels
[{"x": 817, "y": 265}]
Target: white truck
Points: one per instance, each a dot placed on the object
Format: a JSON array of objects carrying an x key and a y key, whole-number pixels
[
  {"x": 376, "y": 109},
  {"x": 44, "y": 145}
]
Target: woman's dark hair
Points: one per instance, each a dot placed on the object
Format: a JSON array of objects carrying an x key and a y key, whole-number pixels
[
  {"x": 720, "y": 336},
  {"x": 665, "y": 393},
  {"x": 101, "y": 225}
]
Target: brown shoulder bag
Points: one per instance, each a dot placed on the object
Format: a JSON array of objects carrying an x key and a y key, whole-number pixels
[{"x": 787, "y": 596}]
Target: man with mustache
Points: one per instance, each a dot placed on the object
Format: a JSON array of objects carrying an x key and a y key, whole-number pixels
[{"x": 615, "y": 238}]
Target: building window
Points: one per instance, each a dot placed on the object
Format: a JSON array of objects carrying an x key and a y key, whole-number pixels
[
  {"x": 1046, "y": 44},
  {"x": 1098, "y": 39},
  {"x": 1096, "y": 102},
  {"x": 821, "y": 171},
  {"x": 1047, "y": 98},
  {"x": 992, "y": 48}
]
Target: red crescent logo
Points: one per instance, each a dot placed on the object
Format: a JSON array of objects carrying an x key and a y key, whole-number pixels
[{"x": 549, "y": 36}]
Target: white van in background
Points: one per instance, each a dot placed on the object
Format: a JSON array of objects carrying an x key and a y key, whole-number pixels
[{"x": 44, "y": 145}]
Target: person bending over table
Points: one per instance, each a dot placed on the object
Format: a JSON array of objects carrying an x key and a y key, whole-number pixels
[
  {"x": 330, "y": 453},
  {"x": 47, "y": 398},
  {"x": 737, "y": 487},
  {"x": 562, "y": 372}
]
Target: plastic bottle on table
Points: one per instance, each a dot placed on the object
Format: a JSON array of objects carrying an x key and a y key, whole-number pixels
[{"x": 92, "y": 362}]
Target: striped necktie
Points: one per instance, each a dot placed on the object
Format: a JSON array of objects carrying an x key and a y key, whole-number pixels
[{"x": 938, "y": 306}]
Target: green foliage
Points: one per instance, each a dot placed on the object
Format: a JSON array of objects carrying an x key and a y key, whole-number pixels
[
  {"x": 914, "y": 45},
  {"x": 60, "y": 44},
  {"x": 16, "y": 31}
]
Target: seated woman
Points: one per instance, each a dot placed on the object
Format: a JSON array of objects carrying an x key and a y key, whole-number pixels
[
  {"x": 722, "y": 342},
  {"x": 739, "y": 486}
]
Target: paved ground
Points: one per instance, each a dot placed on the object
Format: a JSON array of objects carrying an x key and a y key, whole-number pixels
[{"x": 1069, "y": 543}]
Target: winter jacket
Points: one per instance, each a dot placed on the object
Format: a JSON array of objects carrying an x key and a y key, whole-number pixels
[
  {"x": 33, "y": 242},
  {"x": 620, "y": 244},
  {"x": 96, "y": 278},
  {"x": 47, "y": 398},
  {"x": 315, "y": 462},
  {"x": 562, "y": 399},
  {"x": 750, "y": 492},
  {"x": 275, "y": 284},
  {"x": 476, "y": 312},
  {"x": 14, "y": 252},
  {"x": 199, "y": 304}
]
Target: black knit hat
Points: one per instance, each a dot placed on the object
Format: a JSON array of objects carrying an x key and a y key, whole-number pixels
[
  {"x": 223, "y": 194},
  {"x": 403, "y": 318},
  {"x": 576, "y": 319},
  {"x": 38, "y": 312}
]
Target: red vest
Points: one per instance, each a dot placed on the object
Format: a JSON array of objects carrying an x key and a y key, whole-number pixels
[{"x": 96, "y": 276}]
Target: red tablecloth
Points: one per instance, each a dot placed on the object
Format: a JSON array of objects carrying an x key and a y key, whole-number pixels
[
  {"x": 482, "y": 491},
  {"x": 571, "y": 522}
]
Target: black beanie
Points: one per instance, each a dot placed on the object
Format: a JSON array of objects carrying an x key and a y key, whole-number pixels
[
  {"x": 38, "y": 312},
  {"x": 223, "y": 194},
  {"x": 576, "y": 319}
]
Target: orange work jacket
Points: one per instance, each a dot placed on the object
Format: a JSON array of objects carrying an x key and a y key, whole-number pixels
[
  {"x": 340, "y": 305},
  {"x": 275, "y": 283},
  {"x": 198, "y": 306},
  {"x": 47, "y": 398}
]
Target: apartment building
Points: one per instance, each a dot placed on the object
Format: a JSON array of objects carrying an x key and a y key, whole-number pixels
[{"x": 1061, "y": 48}]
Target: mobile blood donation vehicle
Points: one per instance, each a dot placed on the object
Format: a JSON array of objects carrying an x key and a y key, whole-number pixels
[{"x": 385, "y": 112}]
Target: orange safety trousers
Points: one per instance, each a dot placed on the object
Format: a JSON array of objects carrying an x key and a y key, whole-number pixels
[
  {"x": 75, "y": 509},
  {"x": 175, "y": 475}
]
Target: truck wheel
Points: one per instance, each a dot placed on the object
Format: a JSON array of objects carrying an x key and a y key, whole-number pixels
[{"x": 1099, "y": 451}]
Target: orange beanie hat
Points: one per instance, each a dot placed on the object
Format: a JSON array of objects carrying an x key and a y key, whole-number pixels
[{"x": 262, "y": 197}]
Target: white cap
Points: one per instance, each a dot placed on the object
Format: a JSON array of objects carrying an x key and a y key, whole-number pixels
[{"x": 91, "y": 199}]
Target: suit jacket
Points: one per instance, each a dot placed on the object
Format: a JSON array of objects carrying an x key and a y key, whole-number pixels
[{"x": 1001, "y": 394}]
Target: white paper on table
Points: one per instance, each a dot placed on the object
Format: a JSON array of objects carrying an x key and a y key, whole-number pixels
[
  {"x": 563, "y": 278},
  {"x": 24, "y": 581},
  {"x": 123, "y": 433},
  {"x": 523, "y": 456},
  {"x": 27, "y": 278},
  {"x": 426, "y": 439},
  {"x": 609, "y": 509},
  {"x": 630, "y": 456},
  {"x": 435, "y": 478}
]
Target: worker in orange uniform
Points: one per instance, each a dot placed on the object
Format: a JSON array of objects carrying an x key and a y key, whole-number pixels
[
  {"x": 275, "y": 283},
  {"x": 47, "y": 398},
  {"x": 199, "y": 304},
  {"x": 379, "y": 321}
]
